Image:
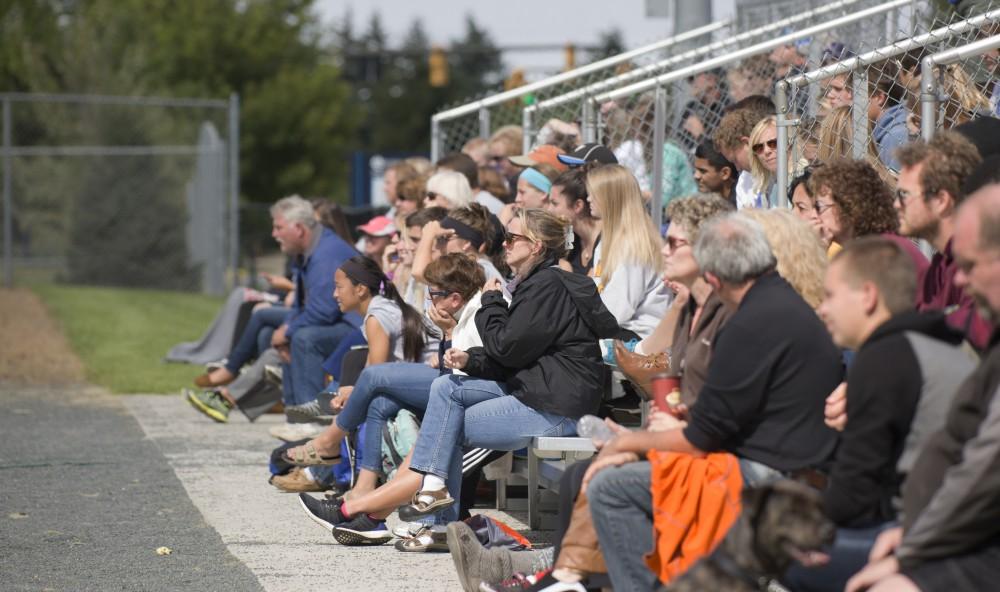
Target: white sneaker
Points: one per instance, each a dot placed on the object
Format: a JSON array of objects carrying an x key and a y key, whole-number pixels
[{"x": 292, "y": 432}]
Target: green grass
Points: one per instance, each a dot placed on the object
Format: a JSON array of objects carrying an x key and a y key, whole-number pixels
[{"x": 122, "y": 334}]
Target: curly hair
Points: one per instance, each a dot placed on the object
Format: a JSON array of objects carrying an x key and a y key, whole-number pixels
[
  {"x": 948, "y": 159},
  {"x": 800, "y": 253},
  {"x": 691, "y": 212},
  {"x": 864, "y": 201},
  {"x": 734, "y": 126}
]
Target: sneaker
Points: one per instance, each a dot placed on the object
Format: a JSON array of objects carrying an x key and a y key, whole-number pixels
[
  {"x": 362, "y": 530},
  {"x": 210, "y": 403},
  {"x": 427, "y": 540},
  {"x": 296, "y": 481},
  {"x": 307, "y": 412},
  {"x": 518, "y": 582},
  {"x": 540, "y": 582},
  {"x": 273, "y": 374},
  {"x": 324, "y": 512},
  {"x": 293, "y": 432},
  {"x": 474, "y": 562}
]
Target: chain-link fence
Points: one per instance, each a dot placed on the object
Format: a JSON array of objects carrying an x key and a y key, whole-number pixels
[
  {"x": 867, "y": 105},
  {"x": 561, "y": 97},
  {"x": 662, "y": 112},
  {"x": 960, "y": 83},
  {"x": 450, "y": 129},
  {"x": 124, "y": 191}
]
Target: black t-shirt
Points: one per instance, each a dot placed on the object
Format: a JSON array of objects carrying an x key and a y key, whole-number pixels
[{"x": 575, "y": 256}]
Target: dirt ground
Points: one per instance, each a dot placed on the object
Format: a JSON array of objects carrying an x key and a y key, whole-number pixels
[{"x": 33, "y": 350}]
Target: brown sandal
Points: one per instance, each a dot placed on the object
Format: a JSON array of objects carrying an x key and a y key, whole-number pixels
[
  {"x": 307, "y": 456},
  {"x": 418, "y": 508}
]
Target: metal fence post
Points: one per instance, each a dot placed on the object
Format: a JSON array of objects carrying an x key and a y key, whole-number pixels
[
  {"x": 484, "y": 122},
  {"x": 928, "y": 98},
  {"x": 8, "y": 200},
  {"x": 589, "y": 121},
  {"x": 859, "y": 112},
  {"x": 435, "y": 140},
  {"x": 234, "y": 188},
  {"x": 781, "y": 122},
  {"x": 659, "y": 133},
  {"x": 527, "y": 129}
]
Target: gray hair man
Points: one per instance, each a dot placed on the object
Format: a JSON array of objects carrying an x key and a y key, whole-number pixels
[{"x": 772, "y": 367}]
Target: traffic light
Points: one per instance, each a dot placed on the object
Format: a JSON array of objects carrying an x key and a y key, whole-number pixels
[
  {"x": 569, "y": 54},
  {"x": 438, "y": 63}
]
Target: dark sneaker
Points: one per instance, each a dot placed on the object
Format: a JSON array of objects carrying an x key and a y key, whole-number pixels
[
  {"x": 324, "y": 512},
  {"x": 210, "y": 403},
  {"x": 306, "y": 412},
  {"x": 362, "y": 530}
]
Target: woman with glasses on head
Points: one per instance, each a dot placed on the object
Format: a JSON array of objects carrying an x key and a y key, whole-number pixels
[
  {"x": 538, "y": 371},
  {"x": 764, "y": 161},
  {"x": 449, "y": 190},
  {"x": 627, "y": 264}
]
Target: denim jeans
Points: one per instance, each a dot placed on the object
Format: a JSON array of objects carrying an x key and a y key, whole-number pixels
[
  {"x": 393, "y": 387},
  {"x": 621, "y": 505},
  {"x": 848, "y": 555},
  {"x": 472, "y": 412},
  {"x": 302, "y": 380},
  {"x": 252, "y": 342}
]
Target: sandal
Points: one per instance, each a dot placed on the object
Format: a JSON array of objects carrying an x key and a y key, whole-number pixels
[
  {"x": 424, "y": 541},
  {"x": 424, "y": 503},
  {"x": 307, "y": 456}
]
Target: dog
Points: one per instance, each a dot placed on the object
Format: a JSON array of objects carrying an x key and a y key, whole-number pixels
[{"x": 781, "y": 522}]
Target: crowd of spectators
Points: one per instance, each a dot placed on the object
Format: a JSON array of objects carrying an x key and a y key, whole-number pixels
[{"x": 815, "y": 343}]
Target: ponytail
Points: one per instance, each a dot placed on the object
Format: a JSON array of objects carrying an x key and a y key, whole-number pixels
[{"x": 364, "y": 271}]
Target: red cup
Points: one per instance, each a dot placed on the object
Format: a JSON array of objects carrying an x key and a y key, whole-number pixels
[{"x": 662, "y": 386}]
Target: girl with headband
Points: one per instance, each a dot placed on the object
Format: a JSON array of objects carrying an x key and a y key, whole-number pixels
[{"x": 534, "y": 184}]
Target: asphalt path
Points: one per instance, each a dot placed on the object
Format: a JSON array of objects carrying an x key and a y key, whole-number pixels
[{"x": 86, "y": 499}]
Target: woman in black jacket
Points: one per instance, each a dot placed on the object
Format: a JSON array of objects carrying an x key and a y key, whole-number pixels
[{"x": 539, "y": 369}]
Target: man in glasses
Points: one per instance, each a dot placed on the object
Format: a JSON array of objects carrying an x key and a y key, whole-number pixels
[{"x": 928, "y": 195}]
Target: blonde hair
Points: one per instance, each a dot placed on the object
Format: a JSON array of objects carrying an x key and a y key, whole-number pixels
[
  {"x": 628, "y": 236},
  {"x": 546, "y": 228},
  {"x": 452, "y": 186},
  {"x": 763, "y": 178},
  {"x": 511, "y": 137},
  {"x": 836, "y": 140},
  {"x": 800, "y": 252}
]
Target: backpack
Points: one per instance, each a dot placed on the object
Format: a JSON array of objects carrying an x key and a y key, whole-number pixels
[{"x": 398, "y": 438}]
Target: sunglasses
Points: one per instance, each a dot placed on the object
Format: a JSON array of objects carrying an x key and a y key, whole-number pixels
[
  {"x": 759, "y": 148},
  {"x": 511, "y": 237}
]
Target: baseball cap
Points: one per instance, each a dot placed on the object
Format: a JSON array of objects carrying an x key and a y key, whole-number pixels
[
  {"x": 546, "y": 153},
  {"x": 378, "y": 226},
  {"x": 588, "y": 153}
]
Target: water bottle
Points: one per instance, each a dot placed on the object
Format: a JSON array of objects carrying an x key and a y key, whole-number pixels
[{"x": 594, "y": 428}]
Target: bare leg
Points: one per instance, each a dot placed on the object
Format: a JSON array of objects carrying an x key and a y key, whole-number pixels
[
  {"x": 367, "y": 480},
  {"x": 383, "y": 501},
  {"x": 896, "y": 583}
]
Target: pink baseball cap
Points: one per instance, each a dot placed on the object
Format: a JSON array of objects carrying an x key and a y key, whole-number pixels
[{"x": 378, "y": 226}]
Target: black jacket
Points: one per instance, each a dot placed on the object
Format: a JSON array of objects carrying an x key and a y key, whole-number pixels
[
  {"x": 544, "y": 345},
  {"x": 899, "y": 388}
]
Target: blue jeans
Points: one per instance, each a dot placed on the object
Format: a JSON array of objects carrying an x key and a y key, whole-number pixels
[
  {"x": 621, "y": 505},
  {"x": 472, "y": 412},
  {"x": 302, "y": 380},
  {"x": 256, "y": 337},
  {"x": 380, "y": 392},
  {"x": 848, "y": 555}
]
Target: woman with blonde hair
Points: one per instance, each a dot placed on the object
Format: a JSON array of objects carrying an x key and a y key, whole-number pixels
[
  {"x": 627, "y": 263},
  {"x": 800, "y": 252},
  {"x": 763, "y": 145},
  {"x": 836, "y": 140}
]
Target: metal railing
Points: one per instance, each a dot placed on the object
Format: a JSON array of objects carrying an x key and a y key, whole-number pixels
[
  {"x": 861, "y": 136},
  {"x": 930, "y": 85},
  {"x": 601, "y": 68}
]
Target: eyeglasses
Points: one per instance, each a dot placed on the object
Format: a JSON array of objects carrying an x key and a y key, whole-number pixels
[
  {"x": 443, "y": 240},
  {"x": 674, "y": 243},
  {"x": 512, "y": 238},
  {"x": 437, "y": 293},
  {"x": 903, "y": 195},
  {"x": 822, "y": 207},
  {"x": 759, "y": 148}
]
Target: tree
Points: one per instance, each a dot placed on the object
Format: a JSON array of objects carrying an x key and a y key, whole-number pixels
[
  {"x": 609, "y": 43},
  {"x": 476, "y": 63}
]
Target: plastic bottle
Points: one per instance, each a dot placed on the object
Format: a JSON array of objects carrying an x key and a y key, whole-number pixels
[{"x": 593, "y": 427}]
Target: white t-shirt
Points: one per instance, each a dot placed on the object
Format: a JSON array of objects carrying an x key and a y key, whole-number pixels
[{"x": 746, "y": 196}]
